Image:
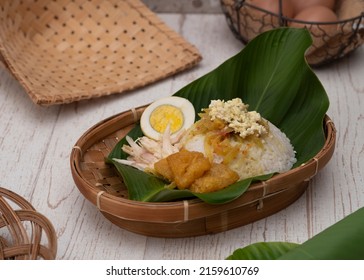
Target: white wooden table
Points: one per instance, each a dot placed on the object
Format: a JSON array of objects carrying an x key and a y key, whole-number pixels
[{"x": 35, "y": 145}]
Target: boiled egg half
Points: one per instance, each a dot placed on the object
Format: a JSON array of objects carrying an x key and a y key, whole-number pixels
[{"x": 176, "y": 112}]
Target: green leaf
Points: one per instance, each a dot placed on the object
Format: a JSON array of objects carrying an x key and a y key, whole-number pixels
[
  {"x": 148, "y": 185},
  {"x": 272, "y": 76},
  {"x": 153, "y": 189},
  {"x": 342, "y": 241},
  {"x": 262, "y": 251}
]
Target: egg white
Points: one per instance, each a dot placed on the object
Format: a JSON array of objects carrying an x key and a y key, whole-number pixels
[{"x": 184, "y": 105}]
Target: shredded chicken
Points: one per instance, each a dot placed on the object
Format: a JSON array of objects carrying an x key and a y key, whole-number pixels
[{"x": 144, "y": 152}]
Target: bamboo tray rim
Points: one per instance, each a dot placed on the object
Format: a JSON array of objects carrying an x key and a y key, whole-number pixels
[{"x": 186, "y": 209}]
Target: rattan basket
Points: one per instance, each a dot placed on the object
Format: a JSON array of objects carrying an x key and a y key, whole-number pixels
[
  {"x": 331, "y": 40},
  {"x": 63, "y": 51},
  {"x": 28, "y": 234},
  {"x": 101, "y": 185}
]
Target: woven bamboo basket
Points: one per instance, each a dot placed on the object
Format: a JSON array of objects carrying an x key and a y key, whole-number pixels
[
  {"x": 63, "y": 51},
  {"x": 28, "y": 234},
  {"x": 331, "y": 40},
  {"x": 102, "y": 186}
]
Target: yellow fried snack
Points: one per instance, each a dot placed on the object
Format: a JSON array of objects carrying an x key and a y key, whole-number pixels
[
  {"x": 183, "y": 167},
  {"x": 217, "y": 178},
  {"x": 187, "y": 166},
  {"x": 193, "y": 170},
  {"x": 163, "y": 169}
]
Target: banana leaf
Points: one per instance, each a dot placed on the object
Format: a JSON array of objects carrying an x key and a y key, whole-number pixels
[
  {"x": 262, "y": 251},
  {"x": 272, "y": 76},
  {"x": 342, "y": 241}
]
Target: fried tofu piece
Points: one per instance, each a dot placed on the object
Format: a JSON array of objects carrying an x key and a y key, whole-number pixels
[
  {"x": 218, "y": 177},
  {"x": 193, "y": 170},
  {"x": 187, "y": 166},
  {"x": 163, "y": 169},
  {"x": 183, "y": 167}
]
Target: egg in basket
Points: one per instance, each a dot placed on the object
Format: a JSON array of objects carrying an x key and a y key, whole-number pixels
[
  {"x": 336, "y": 26},
  {"x": 270, "y": 84}
]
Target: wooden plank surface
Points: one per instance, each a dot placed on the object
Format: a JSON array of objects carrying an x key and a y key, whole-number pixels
[{"x": 35, "y": 145}]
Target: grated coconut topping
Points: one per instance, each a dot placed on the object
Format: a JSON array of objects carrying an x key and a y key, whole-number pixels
[{"x": 235, "y": 113}]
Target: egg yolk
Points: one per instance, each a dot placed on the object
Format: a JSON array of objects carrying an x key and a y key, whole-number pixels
[{"x": 164, "y": 115}]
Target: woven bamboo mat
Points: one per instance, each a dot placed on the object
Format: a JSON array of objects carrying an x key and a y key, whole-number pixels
[{"x": 63, "y": 51}]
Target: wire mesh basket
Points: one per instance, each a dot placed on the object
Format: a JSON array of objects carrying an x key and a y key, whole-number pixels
[{"x": 331, "y": 40}]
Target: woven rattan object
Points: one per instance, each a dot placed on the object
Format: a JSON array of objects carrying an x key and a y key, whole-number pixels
[
  {"x": 63, "y": 51},
  {"x": 331, "y": 40},
  {"x": 101, "y": 185},
  {"x": 25, "y": 234}
]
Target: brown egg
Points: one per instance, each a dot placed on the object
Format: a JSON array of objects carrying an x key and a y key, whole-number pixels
[
  {"x": 314, "y": 14},
  {"x": 300, "y": 5},
  {"x": 254, "y": 21},
  {"x": 273, "y": 6},
  {"x": 317, "y": 19}
]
